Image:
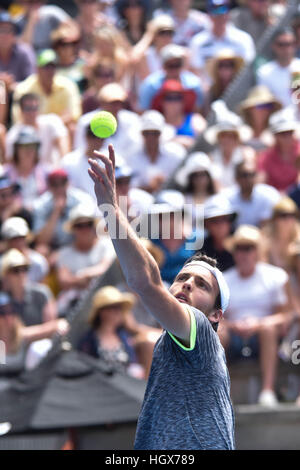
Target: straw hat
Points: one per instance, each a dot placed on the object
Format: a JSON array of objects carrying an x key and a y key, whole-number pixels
[
  {"x": 224, "y": 54},
  {"x": 108, "y": 296},
  {"x": 81, "y": 212},
  {"x": 163, "y": 23},
  {"x": 197, "y": 161},
  {"x": 258, "y": 95},
  {"x": 285, "y": 205},
  {"x": 244, "y": 235},
  {"x": 12, "y": 259},
  {"x": 174, "y": 86}
]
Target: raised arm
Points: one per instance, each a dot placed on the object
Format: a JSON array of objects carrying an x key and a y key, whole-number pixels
[{"x": 139, "y": 267}]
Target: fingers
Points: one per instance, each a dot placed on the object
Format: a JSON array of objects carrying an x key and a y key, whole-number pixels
[
  {"x": 112, "y": 155},
  {"x": 109, "y": 164},
  {"x": 99, "y": 173}
]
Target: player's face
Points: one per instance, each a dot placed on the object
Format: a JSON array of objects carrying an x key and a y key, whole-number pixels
[{"x": 196, "y": 287}]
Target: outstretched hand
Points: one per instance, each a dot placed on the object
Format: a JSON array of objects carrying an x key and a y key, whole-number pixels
[{"x": 104, "y": 177}]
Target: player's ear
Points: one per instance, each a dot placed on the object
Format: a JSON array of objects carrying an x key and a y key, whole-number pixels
[{"x": 215, "y": 315}]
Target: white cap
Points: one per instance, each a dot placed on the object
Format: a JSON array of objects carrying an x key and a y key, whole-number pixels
[
  {"x": 197, "y": 161},
  {"x": 283, "y": 121},
  {"x": 168, "y": 201},
  {"x": 152, "y": 121},
  {"x": 217, "y": 206},
  {"x": 14, "y": 227},
  {"x": 172, "y": 51}
]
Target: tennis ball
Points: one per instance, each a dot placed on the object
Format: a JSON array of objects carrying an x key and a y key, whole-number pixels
[{"x": 103, "y": 124}]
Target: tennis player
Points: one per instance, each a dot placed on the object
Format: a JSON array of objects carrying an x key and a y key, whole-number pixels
[{"x": 187, "y": 401}]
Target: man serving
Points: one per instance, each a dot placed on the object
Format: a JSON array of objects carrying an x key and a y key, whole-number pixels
[{"x": 187, "y": 401}]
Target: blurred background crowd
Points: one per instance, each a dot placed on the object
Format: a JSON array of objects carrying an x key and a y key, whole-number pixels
[{"x": 161, "y": 67}]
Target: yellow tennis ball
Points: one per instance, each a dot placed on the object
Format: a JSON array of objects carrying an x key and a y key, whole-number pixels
[{"x": 103, "y": 124}]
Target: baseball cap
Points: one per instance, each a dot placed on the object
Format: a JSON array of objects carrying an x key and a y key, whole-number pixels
[
  {"x": 14, "y": 227},
  {"x": 5, "y": 17},
  {"x": 217, "y": 7},
  {"x": 46, "y": 57},
  {"x": 57, "y": 173},
  {"x": 27, "y": 136},
  {"x": 152, "y": 120}
]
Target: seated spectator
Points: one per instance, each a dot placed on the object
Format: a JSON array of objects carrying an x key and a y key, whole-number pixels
[
  {"x": 23, "y": 346},
  {"x": 252, "y": 324},
  {"x": 33, "y": 302},
  {"x": 228, "y": 136},
  {"x": 196, "y": 181},
  {"x": 174, "y": 68},
  {"x": 3, "y": 135},
  {"x": 218, "y": 221},
  {"x": 256, "y": 111},
  {"x": 188, "y": 21},
  {"x": 146, "y": 56},
  {"x": 10, "y": 202},
  {"x": 172, "y": 233},
  {"x": 110, "y": 336},
  {"x": 76, "y": 162},
  {"x": 294, "y": 190},
  {"x": 25, "y": 168},
  {"x": 133, "y": 15},
  {"x": 99, "y": 73},
  {"x": 37, "y": 22},
  {"x": 156, "y": 160},
  {"x": 223, "y": 34},
  {"x": 89, "y": 255},
  {"x": 57, "y": 94},
  {"x": 113, "y": 98},
  {"x": 223, "y": 68},
  {"x": 276, "y": 74},
  {"x": 277, "y": 164},
  {"x": 253, "y": 201},
  {"x": 281, "y": 232},
  {"x": 108, "y": 43},
  {"x": 177, "y": 104},
  {"x": 65, "y": 42},
  {"x": 52, "y": 210},
  {"x": 254, "y": 17},
  {"x": 51, "y": 130},
  {"x": 17, "y": 60},
  {"x": 15, "y": 233}
]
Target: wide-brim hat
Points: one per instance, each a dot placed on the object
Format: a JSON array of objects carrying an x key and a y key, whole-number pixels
[
  {"x": 244, "y": 235},
  {"x": 174, "y": 86},
  {"x": 12, "y": 259},
  {"x": 197, "y": 161},
  {"x": 108, "y": 296},
  {"x": 163, "y": 23},
  {"x": 218, "y": 206},
  {"x": 258, "y": 95},
  {"x": 112, "y": 92},
  {"x": 244, "y": 132},
  {"x": 81, "y": 213},
  {"x": 224, "y": 54},
  {"x": 285, "y": 205}
]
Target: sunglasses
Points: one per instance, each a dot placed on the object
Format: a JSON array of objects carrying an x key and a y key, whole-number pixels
[
  {"x": 226, "y": 64},
  {"x": 19, "y": 269},
  {"x": 174, "y": 65},
  {"x": 30, "y": 109},
  {"x": 285, "y": 43},
  {"x": 103, "y": 74},
  {"x": 285, "y": 215},
  {"x": 220, "y": 219},
  {"x": 83, "y": 225},
  {"x": 58, "y": 183},
  {"x": 165, "y": 32},
  {"x": 245, "y": 248},
  {"x": 173, "y": 97},
  {"x": 247, "y": 174},
  {"x": 264, "y": 106},
  {"x": 6, "y": 194},
  {"x": 6, "y": 29}
]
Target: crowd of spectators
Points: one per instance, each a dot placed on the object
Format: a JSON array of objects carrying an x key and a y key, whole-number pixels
[{"x": 160, "y": 67}]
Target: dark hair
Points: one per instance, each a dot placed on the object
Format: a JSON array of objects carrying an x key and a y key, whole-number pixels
[
  {"x": 28, "y": 96},
  {"x": 199, "y": 256},
  {"x": 211, "y": 189},
  {"x": 283, "y": 31}
]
